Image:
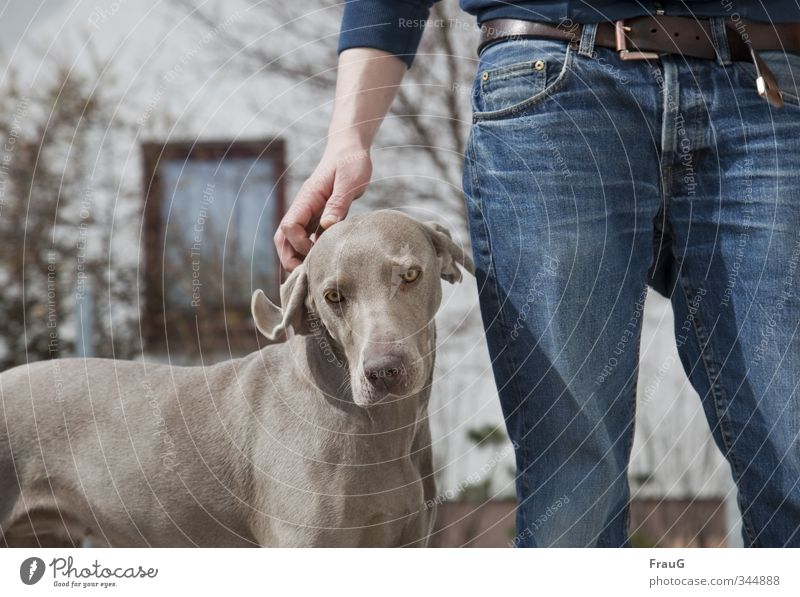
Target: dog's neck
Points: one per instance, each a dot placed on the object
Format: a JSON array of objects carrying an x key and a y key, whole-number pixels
[{"x": 322, "y": 367}]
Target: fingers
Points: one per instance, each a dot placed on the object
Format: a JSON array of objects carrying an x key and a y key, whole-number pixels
[
  {"x": 350, "y": 182},
  {"x": 323, "y": 200},
  {"x": 292, "y": 237},
  {"x": 288, "y": 257}
]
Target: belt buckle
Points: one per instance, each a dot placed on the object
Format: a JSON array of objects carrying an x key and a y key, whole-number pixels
[{"x": 620, "y": 28}]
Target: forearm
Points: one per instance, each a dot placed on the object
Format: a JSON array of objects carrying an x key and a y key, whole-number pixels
[{"x": 367, "y": 83}]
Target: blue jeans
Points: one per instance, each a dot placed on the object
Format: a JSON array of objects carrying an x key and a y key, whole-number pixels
[{"x": 588, "y": 178}]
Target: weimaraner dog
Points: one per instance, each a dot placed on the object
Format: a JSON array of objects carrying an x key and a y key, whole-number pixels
[{"x": 319, "y": 439}]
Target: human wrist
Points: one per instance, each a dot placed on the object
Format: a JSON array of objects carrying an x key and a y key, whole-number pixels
[
  {"x": 347, "y": 144},
  {"x": 347, "y": 134}
]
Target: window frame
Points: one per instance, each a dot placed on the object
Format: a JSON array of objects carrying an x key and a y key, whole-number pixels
[{"x": 240, "y": 338}]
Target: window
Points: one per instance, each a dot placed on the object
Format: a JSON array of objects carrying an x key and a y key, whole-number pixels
[{"x": 210, "y": 212}]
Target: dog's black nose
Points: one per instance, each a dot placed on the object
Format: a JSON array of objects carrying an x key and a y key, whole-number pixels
[{"x": 385, "y": 371}]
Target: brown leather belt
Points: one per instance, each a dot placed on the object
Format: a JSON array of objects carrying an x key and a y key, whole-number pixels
[
  {"x": 644, "y": 38},
  {"x": 656, "y": 35}
]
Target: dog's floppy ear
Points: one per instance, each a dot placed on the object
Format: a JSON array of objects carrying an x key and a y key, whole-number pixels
[
  {"x": 271, "y": 320},
  {"x": 449, "y": 253}
]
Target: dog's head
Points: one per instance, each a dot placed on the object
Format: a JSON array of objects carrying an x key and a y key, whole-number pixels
[{"x": 372, "y": 285}]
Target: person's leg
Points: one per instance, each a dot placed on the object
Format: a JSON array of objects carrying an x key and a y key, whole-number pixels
[
  {"x": 561, "y": 179},
  {"x": 735, "y": 216}
]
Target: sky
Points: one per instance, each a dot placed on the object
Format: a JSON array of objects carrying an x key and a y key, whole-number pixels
[{"x": 17, "y": 16}]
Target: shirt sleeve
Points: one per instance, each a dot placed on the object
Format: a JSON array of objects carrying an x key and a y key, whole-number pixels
[{"x": 394, "y": 26}]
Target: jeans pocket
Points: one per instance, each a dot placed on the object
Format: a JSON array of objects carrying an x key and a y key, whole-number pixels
[
  {"x": 786, "y": 68},
  {"x": 515, "y": 75}
]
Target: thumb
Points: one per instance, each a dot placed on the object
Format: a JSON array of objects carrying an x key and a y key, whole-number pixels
[
  {"x": 336, "y": 208},
  {"x": 346, "y": 188}
]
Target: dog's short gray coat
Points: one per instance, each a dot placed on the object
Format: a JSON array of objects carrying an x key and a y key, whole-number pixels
[{"x": 293, "y": 445}]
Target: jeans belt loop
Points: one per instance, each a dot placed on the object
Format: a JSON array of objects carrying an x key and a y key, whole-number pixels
[
  {"x": 588, "y": 35},
  {"x": 719, "y": 36}
]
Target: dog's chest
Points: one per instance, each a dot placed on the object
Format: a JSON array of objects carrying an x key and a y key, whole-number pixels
[
  {"x": 380, "y": 506},
  {"x": 395, "y": 513}
]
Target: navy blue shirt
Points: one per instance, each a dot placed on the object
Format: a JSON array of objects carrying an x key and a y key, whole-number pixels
[{"x": 396, "y": 26}]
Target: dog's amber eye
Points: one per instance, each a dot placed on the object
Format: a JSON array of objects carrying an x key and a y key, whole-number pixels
[
  {"x": 411, "y": 276},
  {"x": 333, "y": 296}
]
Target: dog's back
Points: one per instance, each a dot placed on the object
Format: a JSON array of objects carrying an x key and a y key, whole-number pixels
[{"x": 118, "y": 452}]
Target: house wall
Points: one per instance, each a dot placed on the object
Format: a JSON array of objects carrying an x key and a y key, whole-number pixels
[{"x": 653, "y": 523}]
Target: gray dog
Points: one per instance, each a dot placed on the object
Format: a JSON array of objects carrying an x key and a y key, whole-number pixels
[{"x": 319, "y": 439}]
